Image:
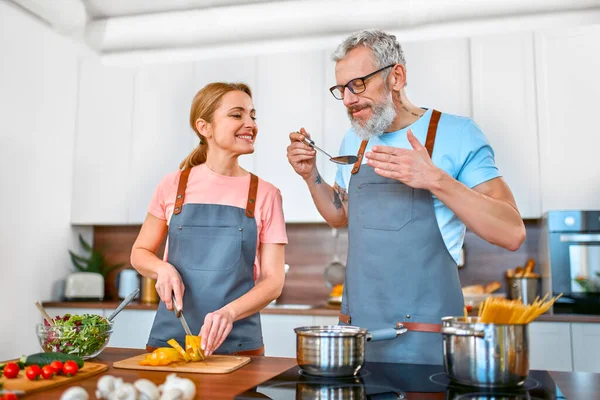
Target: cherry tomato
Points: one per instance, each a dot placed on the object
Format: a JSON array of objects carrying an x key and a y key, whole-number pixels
[
  {"x": 57, "y": 367},
  {"x": 47, "y": 372},
  {"x": 70, "y": 368},
  {"x": 9, "y": 396},
  {"x": 33, "y": 372},
  {"x": 11, "y": 370}
]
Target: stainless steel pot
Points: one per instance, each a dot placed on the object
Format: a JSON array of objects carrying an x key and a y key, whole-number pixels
[
  {"x": 485, "y": 355},
  {"x": 336, "y": 350}
]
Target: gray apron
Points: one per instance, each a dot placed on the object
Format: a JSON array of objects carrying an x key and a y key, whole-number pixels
[
  {"x": 213, "y": 247},
  {"x": 399, "y": 269}
]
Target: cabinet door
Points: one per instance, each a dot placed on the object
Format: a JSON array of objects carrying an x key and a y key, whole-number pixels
[
  {"x": 335, "y": 120},
  {"x": 567, "y": 65},
  {"x": 162, "y": 136},
  {"x": 586, "y": 347},
  {"x": 437, "y": 75},
  {"x": 289, "y": 96},
  {"x": 102, "y": 145},
  {"x": 131, "y": 328},
  {"x": 239, "y": 69},
  {"x": 504, "y": 107},
  {"x": 278, "y": 333},
  {"x": 550, "y": 346}
]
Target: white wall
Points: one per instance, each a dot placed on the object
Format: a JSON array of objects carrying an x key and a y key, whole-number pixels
[{"x": 38, "y": 92}]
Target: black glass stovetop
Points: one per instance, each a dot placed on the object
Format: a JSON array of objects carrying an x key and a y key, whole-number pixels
[{"x": 383, "y": 381}]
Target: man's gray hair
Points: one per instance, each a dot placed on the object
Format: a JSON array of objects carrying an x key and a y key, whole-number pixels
[{"x": 384, "y": 46}]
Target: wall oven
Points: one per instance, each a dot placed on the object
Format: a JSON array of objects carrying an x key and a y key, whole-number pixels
[{"x": 570, "y": 260}]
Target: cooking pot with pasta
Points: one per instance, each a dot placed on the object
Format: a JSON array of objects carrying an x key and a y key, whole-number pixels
[{"x": 485, "y": 354}]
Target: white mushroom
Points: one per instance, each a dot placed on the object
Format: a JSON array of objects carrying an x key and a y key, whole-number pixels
[
  {"x": 106, "y": 385},
  {"x": 126, "y": 391},
  {"x": 146, "y": 389},
  {"x": 75, "y": 393},
  {"x": 187, "y": 386},
  {"x": 172, "y": 394}
]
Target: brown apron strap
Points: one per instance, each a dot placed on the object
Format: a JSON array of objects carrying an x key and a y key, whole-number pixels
[
  {"x": 420, "y": 327},
  {"x": 432, "y": 130},
  {"x": 252, "y": 196},
  {"x": 183, "y": 178},
  {"x": 345, "y": 319},
  {"x": 361, "y": 153}
]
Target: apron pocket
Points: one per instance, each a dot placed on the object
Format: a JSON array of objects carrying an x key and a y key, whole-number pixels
[
  {"x": 210, "y": 248},
  {"x": 384, "y": 206}
]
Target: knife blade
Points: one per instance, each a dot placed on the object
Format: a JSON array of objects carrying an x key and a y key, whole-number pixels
[{"x": 179, "y": 315}]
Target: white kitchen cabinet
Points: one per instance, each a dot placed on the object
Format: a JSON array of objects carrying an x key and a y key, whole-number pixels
[
  {"x": 437, "y": 75},
  {"x": 567, "y": 64},
  {"x": 131, "y": 328},
  {"x": 278, "y": 333},
  {"x": 162, "y": 136},
  {"x": 586, "y": 347},
  {"x": 335, "y": 120},
  {"x": 504, "y": 107},
  {"x": 102, "y": 145},
  {"x": 550, "y": 346},
  {"x": 289, "y": 95}
]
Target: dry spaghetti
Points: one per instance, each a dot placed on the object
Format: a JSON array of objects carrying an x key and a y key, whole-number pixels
[{"x": 497, "y": 310}]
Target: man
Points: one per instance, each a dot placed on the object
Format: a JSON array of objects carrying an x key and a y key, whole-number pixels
[{"x": 406, "y": 205}]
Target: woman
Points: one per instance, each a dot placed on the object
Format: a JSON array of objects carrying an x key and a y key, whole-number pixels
[{"x": 224, "y": 259}]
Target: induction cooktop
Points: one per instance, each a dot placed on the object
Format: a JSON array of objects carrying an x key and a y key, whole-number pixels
[{"x": 383, "y": 381}]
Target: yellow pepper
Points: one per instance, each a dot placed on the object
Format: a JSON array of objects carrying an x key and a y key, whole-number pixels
[
  {"x": 192, "y": 347},
  {"x": 173, "y": 343},
  {"x": 161, "y": 356}
]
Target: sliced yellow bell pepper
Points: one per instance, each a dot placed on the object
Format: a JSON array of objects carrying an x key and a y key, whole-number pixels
[
  {"x": 192, "y": 348},
  {"x": 161, "y": 356},
  {"x": 173, "y": 343}
]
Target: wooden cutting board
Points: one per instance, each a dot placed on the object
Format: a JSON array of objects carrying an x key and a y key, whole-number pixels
[
  {"x": 21, "y": 382},
  {"x": 215, "y": 364}
]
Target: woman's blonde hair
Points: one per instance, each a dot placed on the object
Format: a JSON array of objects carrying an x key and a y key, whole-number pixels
[{"x": 206, "y": 101}]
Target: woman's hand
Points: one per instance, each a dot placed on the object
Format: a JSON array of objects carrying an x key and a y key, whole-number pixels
[
  {"x": 168, "y": 282},
  {"x": 217, "y": 326}
]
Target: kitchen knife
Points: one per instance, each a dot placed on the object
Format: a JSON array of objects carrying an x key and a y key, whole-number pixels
[{"x": 179, "y": 315}]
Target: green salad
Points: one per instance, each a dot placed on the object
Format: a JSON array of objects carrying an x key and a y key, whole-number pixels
[{"x": 82, "y": 335}]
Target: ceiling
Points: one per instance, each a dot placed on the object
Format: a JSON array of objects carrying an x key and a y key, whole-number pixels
[
  {"x": 149, "y": 29},
  {"x": 98, "y": 9}
]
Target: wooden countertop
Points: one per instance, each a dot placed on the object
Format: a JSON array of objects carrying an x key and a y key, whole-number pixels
[
  {"x": 319, "y": 310},
  {"x": 574, "y": 385},
  {"x": 208, "y": 386}
]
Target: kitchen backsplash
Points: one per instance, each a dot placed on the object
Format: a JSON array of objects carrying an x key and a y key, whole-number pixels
[{"x": 311, "y": 249}]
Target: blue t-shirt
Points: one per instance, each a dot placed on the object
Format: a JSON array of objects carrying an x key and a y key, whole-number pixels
[{"x": 460, "y": 149}]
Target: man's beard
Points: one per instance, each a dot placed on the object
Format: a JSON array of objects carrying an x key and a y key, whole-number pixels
[{"x": 383, "y": 116}]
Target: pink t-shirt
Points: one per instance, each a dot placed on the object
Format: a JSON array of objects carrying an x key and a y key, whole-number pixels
[{"x": 207, "y": 187}]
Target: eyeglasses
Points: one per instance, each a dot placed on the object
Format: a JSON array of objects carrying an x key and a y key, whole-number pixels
[{"x": 356, "y": 85}]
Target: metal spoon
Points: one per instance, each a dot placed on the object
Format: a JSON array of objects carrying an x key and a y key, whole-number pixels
[
  {"x": 344, "y": 160},
  {"x": 123, "y": 304}
]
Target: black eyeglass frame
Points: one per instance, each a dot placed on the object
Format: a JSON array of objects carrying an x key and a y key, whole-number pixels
[{"x": 342, "y": 88}]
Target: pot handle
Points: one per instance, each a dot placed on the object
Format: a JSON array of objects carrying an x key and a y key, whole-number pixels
[
  {"x": 448, "y": 330},
  {"x": 385, "y": 334}
]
